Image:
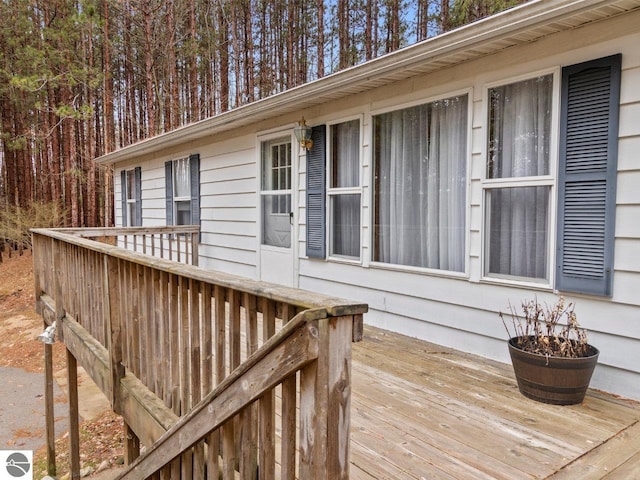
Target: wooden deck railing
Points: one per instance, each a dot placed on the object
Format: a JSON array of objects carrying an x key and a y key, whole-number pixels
[
  {"x": 216, "y": 375},
  {"x": 179, "y": 243}
]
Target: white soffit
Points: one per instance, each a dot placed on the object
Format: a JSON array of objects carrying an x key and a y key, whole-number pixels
[{"x": 526, "y": 23}]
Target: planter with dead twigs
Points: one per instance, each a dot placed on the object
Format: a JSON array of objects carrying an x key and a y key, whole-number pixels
[{"x": 552, "y": 359}]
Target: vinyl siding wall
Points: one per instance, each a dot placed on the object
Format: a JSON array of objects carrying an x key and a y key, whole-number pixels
[{"x": 457, "y": 310}]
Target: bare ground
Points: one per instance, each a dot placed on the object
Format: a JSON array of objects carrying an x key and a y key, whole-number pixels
[{"x": 101, "y": 438}]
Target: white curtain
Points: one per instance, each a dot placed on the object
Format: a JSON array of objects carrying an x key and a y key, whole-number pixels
[
  {"x": 420, "y": 168},
  {"x": 181, "y": 178},
  {"x": 520, "y": 124},
  {"x": 345, "y": 173}
]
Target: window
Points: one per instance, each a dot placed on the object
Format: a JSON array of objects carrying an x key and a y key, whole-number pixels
[
  {"x": 130, "y": 183},
  {"x": 182, "y": 181},
  {"x": 276, "y": 193},
  {"x": 344, "y": 189},
  {"x": 420, "y": 175},
  {"x": 518, "y": 184}
]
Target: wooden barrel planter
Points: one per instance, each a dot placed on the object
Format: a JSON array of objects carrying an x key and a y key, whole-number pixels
[{"x": 554, "y": 380}]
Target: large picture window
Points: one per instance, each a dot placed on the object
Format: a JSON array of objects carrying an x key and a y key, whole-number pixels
[
  {"x": 420, "y": 174},
  {"x": 344, "y": 189},
  {"x": 518, "y": 182}
]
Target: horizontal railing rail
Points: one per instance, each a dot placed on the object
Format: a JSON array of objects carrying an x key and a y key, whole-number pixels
[
  {"x": 213, "y": 373},
  {"x": 178, "y": 242}
]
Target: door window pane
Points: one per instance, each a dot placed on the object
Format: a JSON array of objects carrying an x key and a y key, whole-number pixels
[
  {"x": 276, "y": 207},
  {"x": 276, "y": 227}
]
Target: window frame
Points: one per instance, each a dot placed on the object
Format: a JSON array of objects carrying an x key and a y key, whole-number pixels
[
  {"x": 183, "y": 199},
  {"x": 423, "y": 100},
  {"x": 550, "y": 180},
  {"x": 277, "y": 138},
  {"x": 194, "y": 194},
  {"x": 332, "y": 192},
  {"x": 131, "y": 200}
]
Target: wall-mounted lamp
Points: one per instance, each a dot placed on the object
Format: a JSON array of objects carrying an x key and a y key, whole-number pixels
[
  {"x": 303, "y": 134},
  {"x": 49, "y": 334}
]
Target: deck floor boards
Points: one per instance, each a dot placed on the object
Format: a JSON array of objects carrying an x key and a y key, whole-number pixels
[{"x": 422, "y": 411}]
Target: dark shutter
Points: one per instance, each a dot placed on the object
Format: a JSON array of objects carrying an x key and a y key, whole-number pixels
[
  {"x": 138, "y": 193},
  {"x": 587, "y": 176},
  {"x": 194, "y": 171},
  {"x": 316, "y": 184},
  {"x": 123, "y": 189},
  {"x": 168, "y": 182}
]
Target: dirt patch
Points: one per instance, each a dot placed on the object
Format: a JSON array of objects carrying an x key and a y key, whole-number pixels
[{"x": 102, "y": 437}]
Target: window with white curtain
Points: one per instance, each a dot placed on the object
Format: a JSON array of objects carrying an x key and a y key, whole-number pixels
[
  {"x": 132, "y": 195},
  {"x": 182, "y": 192},
  {"x": 344, "y": 189},
  {"x": 518, "y": 184},
  {"x": 420, "y": 180}
]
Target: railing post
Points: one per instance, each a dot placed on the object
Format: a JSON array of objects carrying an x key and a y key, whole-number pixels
[
  {"x": 49, "y": 409},
  {"x": 195, "y": 241},
  {"x": 111, "y": 279},
  {"x": 74, "y": 413},
  {"x": 58, "y": 287},
  {"x": 325, "y": 404}
]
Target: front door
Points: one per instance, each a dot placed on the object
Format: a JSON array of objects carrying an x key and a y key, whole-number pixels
[{"x": 276, "y": 206}]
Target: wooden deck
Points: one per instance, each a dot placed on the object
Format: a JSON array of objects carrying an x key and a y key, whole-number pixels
[{"x": 421, "y": 411}]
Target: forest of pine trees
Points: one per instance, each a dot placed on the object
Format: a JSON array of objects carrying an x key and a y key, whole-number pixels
[{"x": 82, "y": 78}]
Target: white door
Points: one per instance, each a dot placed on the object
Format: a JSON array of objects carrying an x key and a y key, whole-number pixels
[{"x": 276, "y": 211}]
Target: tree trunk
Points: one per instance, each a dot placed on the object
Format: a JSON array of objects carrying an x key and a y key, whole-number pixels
[{"x": 223, "y": 52}]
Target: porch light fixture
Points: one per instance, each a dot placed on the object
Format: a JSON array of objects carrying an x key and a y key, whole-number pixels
[
  {"x": 49, "y": 334},
  {"x": 303, "y": 134}
]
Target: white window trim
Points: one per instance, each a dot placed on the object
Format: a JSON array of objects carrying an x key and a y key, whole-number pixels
[
  {"x": 544, "y": 180},
  {"x": 344, "y": 190},
  {"x": 131, "y": 200}
]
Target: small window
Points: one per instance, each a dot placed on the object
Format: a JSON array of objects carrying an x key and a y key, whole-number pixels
[
  {"x": 131, "y": 197},
  {"x": 344, "y": 190},
  {"x": 183, "y": 190}
]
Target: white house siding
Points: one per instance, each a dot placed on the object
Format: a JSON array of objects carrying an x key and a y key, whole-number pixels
[
  {"x": 228, "y": 203},
  {"x": 458, "y": 310},
  {"x": 463, "y": 312}
]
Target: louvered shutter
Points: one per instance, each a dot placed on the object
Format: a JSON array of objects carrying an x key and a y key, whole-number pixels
[
  {"x": 137, "y": 173},
  {"x": 194, "y": 171},
  {"x": 587, "y": 176},
  {"x": 168, "y": 182},
  {"x": 123, "y": 190},
  {"x": 316, "y": 184}
]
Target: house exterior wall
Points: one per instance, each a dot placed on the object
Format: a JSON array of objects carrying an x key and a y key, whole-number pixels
[{"x": 453, "y": 309}]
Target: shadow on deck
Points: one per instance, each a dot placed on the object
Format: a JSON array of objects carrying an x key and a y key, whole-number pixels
[{"x": 420, "y": 411}]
